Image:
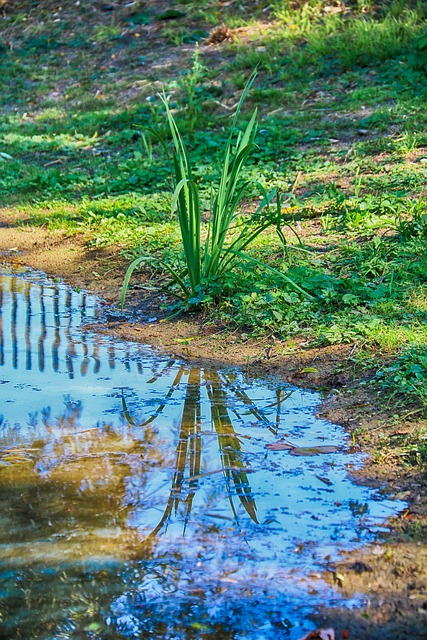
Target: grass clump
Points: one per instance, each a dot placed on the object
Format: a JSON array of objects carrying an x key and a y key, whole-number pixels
[
  {"x": 406, "y": 376},
  {"x": 227, "y": 234}
]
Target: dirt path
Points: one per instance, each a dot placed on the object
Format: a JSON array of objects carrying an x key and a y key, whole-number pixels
[{"x": 393, "y": 575}]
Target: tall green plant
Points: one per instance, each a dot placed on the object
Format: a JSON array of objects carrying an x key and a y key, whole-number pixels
[{"x": 225, "y": 242}]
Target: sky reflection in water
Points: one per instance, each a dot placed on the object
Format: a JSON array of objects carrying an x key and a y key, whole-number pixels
[{"x": 137, "y": 496}]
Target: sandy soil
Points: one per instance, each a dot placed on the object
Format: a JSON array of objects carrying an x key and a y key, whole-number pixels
[{"x": 393, "y": 575}]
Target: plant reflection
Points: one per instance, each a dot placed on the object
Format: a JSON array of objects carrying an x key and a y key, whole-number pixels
[
  {"x": 188, "y": 452},
  {"x": 188, "y": 455},
  {"x": 230, "y": 447}
]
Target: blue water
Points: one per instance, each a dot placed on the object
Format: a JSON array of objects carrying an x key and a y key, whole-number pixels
[{"x": 138, "y": 498}]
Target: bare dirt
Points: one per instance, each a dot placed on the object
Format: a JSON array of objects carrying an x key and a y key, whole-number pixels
[{"x": 393, "y": 574}]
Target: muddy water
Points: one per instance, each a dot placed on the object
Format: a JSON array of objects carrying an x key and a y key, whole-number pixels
[{"x": 138, "y": 498}]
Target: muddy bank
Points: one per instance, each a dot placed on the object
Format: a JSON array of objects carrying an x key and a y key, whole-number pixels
[{"x": 393, "y": 575}]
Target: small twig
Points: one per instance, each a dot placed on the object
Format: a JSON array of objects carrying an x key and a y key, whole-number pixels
[
  {"x": 225, "y": 106},
  {"x": 297, "y": 181},
  {"x": 50, "y": 164}
]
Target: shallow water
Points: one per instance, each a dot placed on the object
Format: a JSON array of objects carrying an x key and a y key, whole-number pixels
[{"x": 138, "y": 498}]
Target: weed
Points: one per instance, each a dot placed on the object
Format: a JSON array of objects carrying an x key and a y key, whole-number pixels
[
  {"x": 104, "y": 33},
  {"x": 203, "y": 265},
  {"x": 190, "y": 86},
  {"x": 406, "y": 376},
  {"x": 413, "y": 222}
]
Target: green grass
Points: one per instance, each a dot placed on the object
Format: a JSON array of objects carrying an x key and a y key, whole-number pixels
[
  {"x": 341, "y": 100},
  {"x": 211, "y": 259}
]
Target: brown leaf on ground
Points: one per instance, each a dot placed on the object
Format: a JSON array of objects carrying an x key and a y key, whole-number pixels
[{"x": 220, "y": 34}]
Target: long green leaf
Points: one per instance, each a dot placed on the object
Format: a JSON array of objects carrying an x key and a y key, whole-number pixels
[
  {"x": 249, "y": 232},
  {"x": 245, "y": 256},
  {"x": 176, "y": 277},
  {"x": 186, "y": 201},
  {"x": 135, "y": 263},
  {"x": 242, "y": 99}
]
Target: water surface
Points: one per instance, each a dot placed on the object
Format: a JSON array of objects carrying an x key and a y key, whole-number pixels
[{"x": 138, "y": 498}]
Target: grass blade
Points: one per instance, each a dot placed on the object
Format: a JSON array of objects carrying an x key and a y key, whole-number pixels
[{"x": 133, "y": 265}]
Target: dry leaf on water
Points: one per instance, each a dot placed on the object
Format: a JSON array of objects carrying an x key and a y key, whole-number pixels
[
  {"x": 324, "y": 480},
  {"x": 313, "y": 451},
  {"x": 280, "y": 445}
]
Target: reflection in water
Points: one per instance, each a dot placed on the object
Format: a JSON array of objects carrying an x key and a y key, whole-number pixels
[
  {"x": 138, "y": 498},
  {"x": 42, "y": 315},
  {"x": 187, "y": 467}
]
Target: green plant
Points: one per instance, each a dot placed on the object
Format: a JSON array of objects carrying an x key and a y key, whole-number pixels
[
  {"x": 227, "y": 236},
  {"x": 104, "y": 33},
  {"x": 148, "y": 146},
  {"x": 189, "y": 85},
  {"x": 412, "y": 222},
  {"x": 407, "y": 375}
]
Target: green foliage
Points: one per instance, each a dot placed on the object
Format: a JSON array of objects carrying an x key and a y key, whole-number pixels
[
  {"x": 414, "y": 223},
  {"x": 208, "y": 263},
  {"x": 104, "y": 33},
  {"x": 190, "y": 85},
  {"x": 417, "y": 58},
  {"x": 406, "y": 376}
]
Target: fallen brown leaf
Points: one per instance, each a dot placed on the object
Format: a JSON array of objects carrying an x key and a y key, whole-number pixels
[{"x": 280, "y": 445}]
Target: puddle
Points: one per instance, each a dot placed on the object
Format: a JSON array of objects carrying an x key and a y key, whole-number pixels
[{"x": 138, "y": 495}]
